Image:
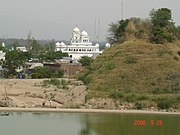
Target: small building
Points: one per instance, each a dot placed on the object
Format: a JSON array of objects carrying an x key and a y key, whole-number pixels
[
  {"x": 29, "y": 66},
  {"x": 23, "y": 49},
  {"x": 53, "y": 66},
  {"x": 2, "y": 55}
]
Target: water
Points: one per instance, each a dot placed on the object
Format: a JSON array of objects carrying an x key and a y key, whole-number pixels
[{"x": 88, "y": 124}]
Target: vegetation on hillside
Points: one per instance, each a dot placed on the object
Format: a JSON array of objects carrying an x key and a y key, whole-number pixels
[
  {"x": 158, "y": 29},
  {"x": 85, "y": 60},
  {"x": 136, "y": 71}
]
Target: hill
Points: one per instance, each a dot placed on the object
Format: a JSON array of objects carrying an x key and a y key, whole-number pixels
[{"x": 136, "y": 71}]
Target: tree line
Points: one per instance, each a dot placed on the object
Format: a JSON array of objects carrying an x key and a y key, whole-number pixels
[{"x": 15, "y": 58}]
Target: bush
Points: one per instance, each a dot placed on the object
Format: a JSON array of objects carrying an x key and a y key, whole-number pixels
[
  {"x": 130, "y": 98},
  {"x": 130, "y": 60},
  {"x": 109, "y": 66},
  {"x": 55, "y": 82},
  {"x": 164, "y": 103},
  {"x": 116, "y": 94},
  {"x": 84, "y": 77},
  {"x": 178, "y": 53},
  {"x": 143, "y": 97},
  {"x": 162, "y": 52},
  {"x": 58, "y": 74},
  {"x": 41, "y": 72},
  {"x": 85, "y": 60},
  {"x": 44, "y": 72}
]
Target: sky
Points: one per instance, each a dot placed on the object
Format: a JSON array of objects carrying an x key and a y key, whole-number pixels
[{"x": 55, "y": 19}]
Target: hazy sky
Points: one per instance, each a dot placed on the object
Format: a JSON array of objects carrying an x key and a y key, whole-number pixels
[{"x": 55, "y": 19}]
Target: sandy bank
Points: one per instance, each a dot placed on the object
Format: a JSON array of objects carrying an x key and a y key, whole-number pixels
[{"x": 8, "y": 109}]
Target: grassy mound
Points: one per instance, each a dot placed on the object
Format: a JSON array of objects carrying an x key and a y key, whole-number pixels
[{"x": 134, "y": 68}]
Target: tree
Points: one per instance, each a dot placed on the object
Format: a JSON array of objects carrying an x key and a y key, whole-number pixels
[
  {"x": 41, "y": 72},
  {"x": 163, "y": 28},
  {"x": 44, "y": 72},
  {"x": 117, "y": 31},
  {"x": 35, "y": 48},
  {"x": 14, "y": 59},
  {"x": 85, "y": 60}
]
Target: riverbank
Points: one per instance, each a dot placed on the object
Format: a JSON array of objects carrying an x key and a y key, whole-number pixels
[{"x": 60, "y": 110}]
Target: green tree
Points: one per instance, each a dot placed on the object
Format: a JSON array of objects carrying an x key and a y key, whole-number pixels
[
  {"x": 163, "y": 28},
  {"x": 51, "y": 46},
  {"x": 36, "y": 49},
  {"x": 52, "y": 55},
  {"x": 85, "y": 60},
  {"x": 117, "y": 31},
  {"x": 41, "y": 72},
  {"x": 14, "y": 59}
]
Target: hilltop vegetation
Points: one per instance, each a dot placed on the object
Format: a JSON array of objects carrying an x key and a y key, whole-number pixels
[{"x": 159, "y": 28}]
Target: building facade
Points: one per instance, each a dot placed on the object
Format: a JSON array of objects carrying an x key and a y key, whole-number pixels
[{"x": 80, "y": 46}]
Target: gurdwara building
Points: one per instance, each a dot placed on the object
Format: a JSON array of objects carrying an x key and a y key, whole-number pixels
[{"x": 80, "y": 46}]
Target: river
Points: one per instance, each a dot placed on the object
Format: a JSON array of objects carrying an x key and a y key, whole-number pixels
[{"x": 89, "y": 124}]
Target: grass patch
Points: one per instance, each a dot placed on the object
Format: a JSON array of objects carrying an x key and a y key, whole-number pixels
[
  {"x": 163, "y": 51},
  {"x": 116, "y": 94},
  {"x": 55, "y": 82}
]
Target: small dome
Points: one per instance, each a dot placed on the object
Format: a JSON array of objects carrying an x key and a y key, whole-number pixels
[
  {"x": 84, "y": 33},
  {"x": 58, "y": 44},
  {"x": 62, "y": 43},
  {"x": 97, "y": 44},
  {"x": 107, "y": 45},
  {"x": 76, "y": 29}
]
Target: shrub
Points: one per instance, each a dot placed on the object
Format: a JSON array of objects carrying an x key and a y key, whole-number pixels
[
  {"x": 131, "y": 98},
  {"x": 109, "y": 66},
  {"x": 143, "y": 97},
  {"x": 58, "y": 74},
  {"x": 85, "y": 60},
  {"x": 164, "y": 103},
  {"x": 41, "y": 72},
  {"x": 130, "y": 60},
  {"x": 85, "y": 77},
  {"x": 162, "y": 52},
  {"x": 178, "y": 53},
  {"x": 55, "y": 82},
  {"x": 116, "y": 94}
]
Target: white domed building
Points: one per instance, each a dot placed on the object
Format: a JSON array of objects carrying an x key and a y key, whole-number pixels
[{"x": 80, "y": 46}]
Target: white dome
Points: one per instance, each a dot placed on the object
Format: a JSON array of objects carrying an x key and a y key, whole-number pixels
[
  {"x": 58, "y": 44},
  {"x": 62, "y": 43},
  {"x": 97, "y": 44},
  {"x": 76, "y": 29},
  {"x": 107, "y": 45},
  {"x": 84, "y": 33}
]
